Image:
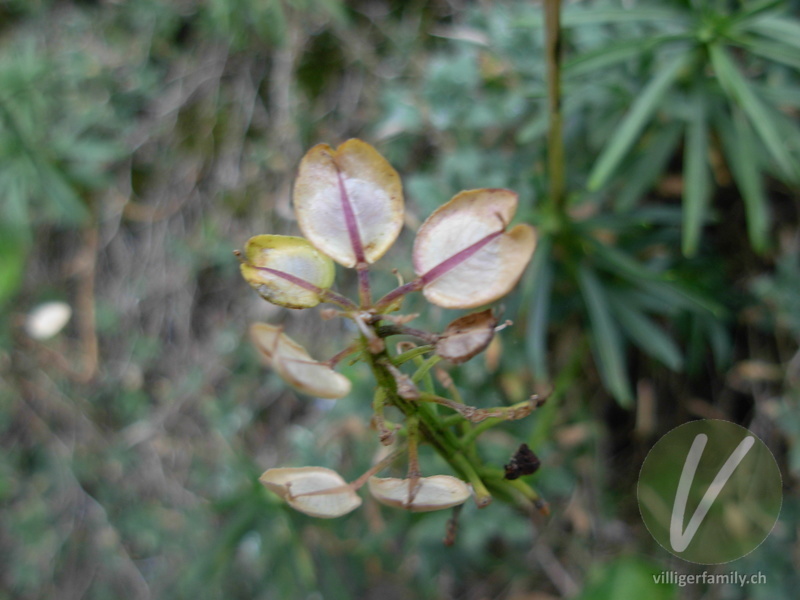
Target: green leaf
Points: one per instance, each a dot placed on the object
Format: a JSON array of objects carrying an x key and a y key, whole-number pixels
[
  {"x": 541, "y": 274},
  {"x": 752, "y": 10},
  {"x": 626, "y": 578},
  {"x": 606, "y": 340},
  {"x": 607, "y": 56},
  {"x": 628, "y": 131},
  {"x": 786, "y": 95},
  {"x": 15, "y": 178},
  {"x": 620, "y": 263},
  {"x": 659, "y": 285},
  {"x": 577, "y": 16},
  {"x": 778, "y": 28},
  {"x": 736, "y": 86},
  {"x": 650, "y": 163},
  {"x": 721, "y": 343},
  {"x": 680, "y": 297},
  {"x": 66, "y": 202},
  {"x": 704, "y": 332},
  {"x": 95, "y": 150},
  {"x": 14, "y": 250},
  {"x": 741, "y": 149},
  {"x": 776, "y": 52},
  {"x": 595, "y": 16},
  {"x": 645, "y": 333},
  {"x": 696, "y": 176}
]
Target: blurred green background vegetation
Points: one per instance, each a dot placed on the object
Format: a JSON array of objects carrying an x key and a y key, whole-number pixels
[{"x": 141, "y": 142}]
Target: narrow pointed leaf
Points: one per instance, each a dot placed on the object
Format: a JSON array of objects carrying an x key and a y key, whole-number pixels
[
  {"x": 578, "y": 15},
  {"x": 433, "y": 493},
  {"x": 315, "y": 491},
  {"x": 633, "y": 123},
  {"x": 697, "y": 177},
  {"x": 773, "y": 51},
  {"x": 680, "y": 297},
  {"x": 287, "y": 270},
  {"x": 737, "y": 87},
  {"x": 778, "y": 28},
  {"x": 539, "y": 308},
  {"x": 742, "y": 152},
  {"x": 648, "y": 336},
  {"x": 349, "y": 202},
  {"x": 292, "y": 362},
  {"x": 622, "y": 264},
  {"x": 752, "y": 11},
  {"x": 464, "y": 254},
  {"x": 607, "y": 343},
  {"x": 649, "y": 165},
  {"x": 610, "y": 55}
]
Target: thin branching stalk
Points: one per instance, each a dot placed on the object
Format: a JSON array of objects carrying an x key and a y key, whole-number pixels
[{"x": 555, "y": 136}]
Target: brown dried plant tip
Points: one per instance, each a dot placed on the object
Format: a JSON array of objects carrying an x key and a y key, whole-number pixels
[
  {"x": 451, "y": 529},
  {"x": 524, "y": 462}
]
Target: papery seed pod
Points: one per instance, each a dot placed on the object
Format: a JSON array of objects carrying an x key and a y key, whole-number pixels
[
  {"x": 292, "y": 362},
  {"x": 466, "y": 336},
  {"x": 349, "y": 202},
  {"x": 315, "y": 491},
  {"x": 432, "y": 493},
  {"x": 287, "y": 270},
  {"x": 463, "y": 253}
]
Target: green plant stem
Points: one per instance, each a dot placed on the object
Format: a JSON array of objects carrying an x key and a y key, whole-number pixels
[
  {"x": 386, "y": 430},
  {"x": 482, "y": 495},
  {"x": 411, "y": 354},
  {"x": 453, "y": 420},
  {"x": 478, "y": 429},
  {"x": 555, "y": 137},
  {"x": 430, "y": 426},
  {"x": 507, "y": 489},
  {"x": 424, "y": 368},
  {"x": 487, "y": 482},
  {"x": 427, "y": 380},
  {"x": 412, "y": 427}
]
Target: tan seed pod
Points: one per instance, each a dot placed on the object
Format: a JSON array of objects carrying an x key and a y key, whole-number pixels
[
  {"x": 463, "y": 253},
  {"x": 315, "y": 491},
  {"x": 466, "y": 336},
  {"x": 287, "y": 270},
  {"x": 292, "y": 362},
  {"x": 432, "y": 493},
  {"x": 349, "y": 202}
]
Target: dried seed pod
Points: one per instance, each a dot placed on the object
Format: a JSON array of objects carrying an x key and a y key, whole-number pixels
[
  {"x": 349, "y": 202},
  {"x": 292, "y": 362},
  {"x": 463, "y": 253},
  {"x": 287, "y": 270},
  {"x": 315, "y": 491},
  {"x": 431, "y": 493},
  {"x": 466, "y": 336}
]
